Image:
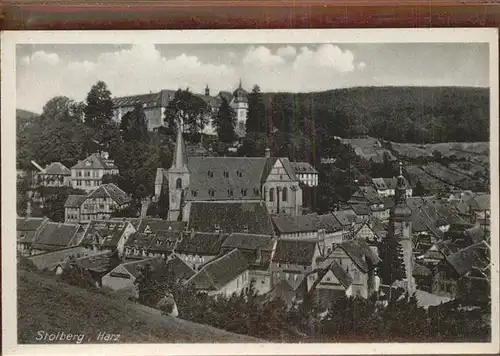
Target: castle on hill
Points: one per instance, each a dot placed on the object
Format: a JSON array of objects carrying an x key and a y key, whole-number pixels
[
  {"x": 155, "y": 104},
  {"x": 274, "y": 183}
]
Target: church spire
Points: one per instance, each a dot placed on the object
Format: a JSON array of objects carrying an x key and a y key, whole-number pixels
[{"x": 179, "y": 161}]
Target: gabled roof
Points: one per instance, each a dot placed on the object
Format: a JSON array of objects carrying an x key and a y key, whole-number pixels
[
  {"x": 479, "y": 202},
  {"x": 370, "y": 194},
  {"x": 295, "y": 252},
  {"x": 329, "y": 223},
  {"x": 50, "y": 260},
  {"x": 100, "y": 262},
  {"x": 419, "y": 270},
  {"x": 134, "y": 267},
  {"x": 109, "y": 232},
  {"x": 379, "y": 184},
  {"x": 475, "y": 233},
  {"x": 248, "y": 242},
  {"x": 345, "y": 217},
  {"x": 294, "y": 224},
  {"x": 361, "y": 209},
  {"x": 225, "y": 178},
  {"x": 95, "y": 161},
  {"x": 201, "y": 243},
  {"x": 112, "y": 191},
  {"x": 343, "y": 277},
  {"x": 251, "y": 217},
  {"x": 57, "y": 168},
  {"x": 477, "y": 255},
  {"x": 155, "y": 225},
  {"x": 179, "y": 268},
  {"x": 150, "y": 100},
  {"x": 74, "y": 201},
  {"x": 139, "y": 240},
  {"x": 54, "y": 236},
  {"x": 360, "y": 253},
  {"x": 303, "y": 168},
  {"x": 164, "y": 240},
  {"x": 287, "y": 165},
  {"x": 30, "y": 224},
  {"x": 217, "y": 273},
  {"x": 282, "y": 290}
]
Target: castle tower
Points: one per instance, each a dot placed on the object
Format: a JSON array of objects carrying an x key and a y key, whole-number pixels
[
  {"x": 178, "y": 177},
  {"x": 240, "y": 105},
  {"x": 400, "y": 219}
]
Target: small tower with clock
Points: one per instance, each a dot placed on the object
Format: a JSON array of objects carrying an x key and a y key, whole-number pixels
[{"x": 400, "y": 219}]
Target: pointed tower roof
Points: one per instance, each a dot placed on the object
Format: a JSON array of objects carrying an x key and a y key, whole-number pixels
[
  {"x": 401, "y": 209},
  {"x": 179, "y": 161}
]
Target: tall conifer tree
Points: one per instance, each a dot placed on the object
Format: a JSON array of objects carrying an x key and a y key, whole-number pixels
[
  {"x": 225, "y": 122},
  {"x": 257, "y": 116},
  {"x": 392, "y": 266}
]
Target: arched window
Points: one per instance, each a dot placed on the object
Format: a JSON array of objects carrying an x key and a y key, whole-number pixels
[
  {"x": 178, "y": 183},
  {"x": 285, "y": 194},
  {"x": 271, "y": 194}
]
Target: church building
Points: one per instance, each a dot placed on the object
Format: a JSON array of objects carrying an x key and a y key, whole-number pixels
[
  {"x": 400, "y": 227},
  {"x": 268, "y": 181}
]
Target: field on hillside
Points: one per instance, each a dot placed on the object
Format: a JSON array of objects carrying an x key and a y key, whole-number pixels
[
  {"x": 469, "y": 151},
  {"x": 46, "y": 304}
]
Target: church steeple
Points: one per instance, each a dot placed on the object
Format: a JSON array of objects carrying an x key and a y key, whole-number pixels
[
  {"x": 400, "y": 191},
  {"x": 179, "y": 161}
]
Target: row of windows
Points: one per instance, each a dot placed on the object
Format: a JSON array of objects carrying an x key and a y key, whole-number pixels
[
  {"x": 284, "y": 194},
  {"x": 225, "y": 174},
  {"x": 88, "y": 183}
]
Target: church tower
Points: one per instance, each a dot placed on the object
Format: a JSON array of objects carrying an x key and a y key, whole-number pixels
[
  {"x": 400, "y": 219},
  {"x": 240, "y": 105},
  {"x": 178, "y": 177}
]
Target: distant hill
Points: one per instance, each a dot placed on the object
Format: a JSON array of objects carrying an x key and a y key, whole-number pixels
[
  {"x": 25, "y": 114},
  {"x": 399, "y": 114},
  {"x": 44, "y": 303}
]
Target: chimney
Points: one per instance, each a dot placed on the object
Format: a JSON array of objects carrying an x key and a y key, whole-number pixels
[
  {"x": 259, "y": 256},
  {"x": 207, "y": 91},
  {"x": 268, "y": 152}
]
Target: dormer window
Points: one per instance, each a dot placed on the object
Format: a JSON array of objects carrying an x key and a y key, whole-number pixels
[
  {"x": 217, "y": 228},
  {"x": 226, "y": 174},
  {"x": 158, "y": 241},
  {"x": 211, "y": 192},
  {"x": 210, "y": 174},
  {"x": 244, "y": 192},
  {"x": 230, "y": 192},
  {"x": 194, "y": 193},
  {"x": 88, "y": 163},
  {"x": 239, "y": 174},
  {"x": 245, "y": 229},
  {"x": 256, "y": 192}
]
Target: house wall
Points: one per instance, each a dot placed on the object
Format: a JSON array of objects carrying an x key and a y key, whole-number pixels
[
  {"x": 241, "y": 110},
  {"x": 365, "y": 233},
  {"x": 308, "y": 235},
  {"x": 89, "y": 179},
  {"x": 310, "y": 179},
  {"x": 53, "y": 180},
  {"x": 444, "y": 282},
  {"x": 194, "y": 260},
  {"x": 360, "y": 284},
  {"x": 115, "y": 282},
  {"x": 262, "y": 280},
  {"x": 175, "y": 194},
  {"x": 288, "y": 271},
  {"x": 235, "y": 286},
  {"x": 98, "y": 209},
  {"x": 71, "y": 215},
  {"x": 278, "y": 179}
]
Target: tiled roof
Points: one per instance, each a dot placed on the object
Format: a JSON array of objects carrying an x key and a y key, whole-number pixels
[
  {"x": 134, "y": 267},
  {"x": 50, "y": 260},
  {"x": 107, "y": 232},
  {"x": 303, "y": 168},
  {"x": 248, "y": 242},
  {"x": 179, "y": 268},
  {"x": 225, "y": 178},
  {"x": 112, "y": 191},
  {"x": 139, "y": 240},
  {"x": 477, "y": 255},
  {"x": 480, "y": 202},
  {"x": 329, "y": 223},
  {"x": 156, "y": 225},
  {"x": 295, "y": 252},
  {"x": 475, "y": 233},
  {"x": 57, "y": 168},
  {"x": 53, "y": 236},
  {"x": 216, "y": 274},
  {"x": 150, "y": 100},
  {"x": 361, "y": 209},
  {"x": 370, "y": 194},
  {"x": 359, "y": 251},
  {"x": 74, "y": 201},
  {"x": 29, "y": 224},
  {"x": 100, "y": 262},
  {"x": 282, "y": 290},
  {"x": 294, "y": 224},
  {"x": 341, "y": 274},
  {"x": 379, "y": 183},
  {"x": 201, "y": 243},
  {"x": 419, "y": 270},
  {"x": 345, "y": 217},
  {"x": 95, "y": 161},
  {"x": 252, "y": 218},
  {"x": 165, "y": 240}
]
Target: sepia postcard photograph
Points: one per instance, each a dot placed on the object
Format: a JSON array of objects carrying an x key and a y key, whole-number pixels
[{"x": 250, "y": 192}]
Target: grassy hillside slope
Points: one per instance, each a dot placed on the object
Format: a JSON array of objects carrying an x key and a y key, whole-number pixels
[{"x": 46, "y": 304}]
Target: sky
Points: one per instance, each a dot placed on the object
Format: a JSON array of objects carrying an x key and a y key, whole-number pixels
[{"x": 45, "y": 71}]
